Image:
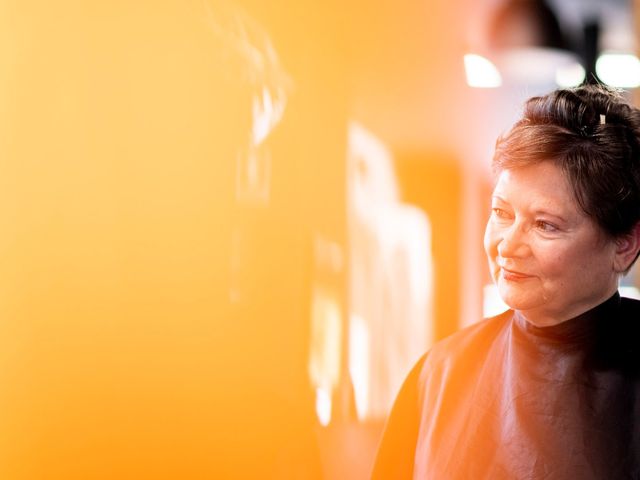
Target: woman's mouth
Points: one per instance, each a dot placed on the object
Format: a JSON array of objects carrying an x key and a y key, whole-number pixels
[{"x": 513, "y": 275}]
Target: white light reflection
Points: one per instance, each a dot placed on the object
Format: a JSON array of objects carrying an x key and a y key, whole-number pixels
[
  {"x": 492, "y": 304},
  {"x": 480, "y": 72},
  {"x": 619, "y": 69},
  {"x": 326, "y": 341},
  {"x": 323, "y": 406},
  {"x": 359, "y": 355},
  {"x": 391, "y": 277},
  {"x": 571, "y": 75}
]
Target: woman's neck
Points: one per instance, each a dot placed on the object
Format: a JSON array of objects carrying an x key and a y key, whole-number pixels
[{"x": 546, "y": 317}]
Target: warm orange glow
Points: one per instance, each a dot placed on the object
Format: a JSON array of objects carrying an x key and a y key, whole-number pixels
[
  {"x": 138, "y": 314},
  {"x": 180, "y": 297}
]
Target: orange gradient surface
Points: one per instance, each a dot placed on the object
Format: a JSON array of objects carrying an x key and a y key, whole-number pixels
[
  {"x": 124, "y": 353},
  {"x": 174, "y": 244}
]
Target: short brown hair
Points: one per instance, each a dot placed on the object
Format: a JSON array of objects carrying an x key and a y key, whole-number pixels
[{"x": 593, "y": 134}]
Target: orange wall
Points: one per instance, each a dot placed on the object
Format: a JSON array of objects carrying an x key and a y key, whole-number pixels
[{"x": 123, "y": 353}]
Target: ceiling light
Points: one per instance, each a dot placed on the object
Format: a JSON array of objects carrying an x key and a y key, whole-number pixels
[{"x": 619, "y": 69}]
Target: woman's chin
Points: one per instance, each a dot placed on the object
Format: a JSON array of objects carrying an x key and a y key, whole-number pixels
[{"x": 516, "y": 298}]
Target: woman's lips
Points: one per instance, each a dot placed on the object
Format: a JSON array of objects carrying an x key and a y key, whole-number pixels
[{"x": 513, "y": 275}]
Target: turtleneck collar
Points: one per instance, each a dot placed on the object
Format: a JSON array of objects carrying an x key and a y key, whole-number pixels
[{"x": 576, "y": 330}]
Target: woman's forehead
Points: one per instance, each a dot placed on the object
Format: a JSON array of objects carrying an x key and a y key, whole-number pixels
[
  {"x": 545, "y": 177},
  {"x": 539, "y": 186}
]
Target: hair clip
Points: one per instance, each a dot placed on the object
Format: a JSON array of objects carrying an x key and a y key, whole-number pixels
[{"x": 603, "y": 119}]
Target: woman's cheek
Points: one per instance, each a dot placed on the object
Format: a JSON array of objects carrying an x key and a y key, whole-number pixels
[{"x": 490, "y": 244}]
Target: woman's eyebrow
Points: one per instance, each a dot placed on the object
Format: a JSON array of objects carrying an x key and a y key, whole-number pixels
[{"x": 542, "y": 211}]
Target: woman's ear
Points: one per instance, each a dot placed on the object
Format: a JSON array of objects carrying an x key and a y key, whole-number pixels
[{"x": 627, "y": 248}]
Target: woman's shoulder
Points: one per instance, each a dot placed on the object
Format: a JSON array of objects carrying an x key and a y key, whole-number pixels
[
  {"x": 468, "y": 344},
  {"x": 447, "y": 363}
]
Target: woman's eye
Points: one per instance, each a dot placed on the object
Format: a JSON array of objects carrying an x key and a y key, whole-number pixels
[
  {"x": 500, "y": 213},
  {"x": 546, "y": 226}
]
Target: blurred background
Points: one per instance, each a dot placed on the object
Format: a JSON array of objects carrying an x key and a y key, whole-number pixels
[{"x": 228, "y": 229}]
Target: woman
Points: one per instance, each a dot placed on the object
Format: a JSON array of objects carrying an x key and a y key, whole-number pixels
[{"x": 551, "y": 388}]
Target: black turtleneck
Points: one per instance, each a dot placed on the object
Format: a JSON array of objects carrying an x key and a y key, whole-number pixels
[{"x": 505, "y": 399}]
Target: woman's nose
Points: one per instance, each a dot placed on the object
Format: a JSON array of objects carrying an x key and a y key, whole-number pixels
[{"x": 512, "y": 243}]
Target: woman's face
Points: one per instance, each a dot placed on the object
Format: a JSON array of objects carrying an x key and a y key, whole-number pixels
[{"x": 548, "y": 258}]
